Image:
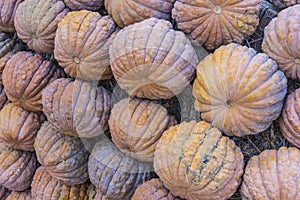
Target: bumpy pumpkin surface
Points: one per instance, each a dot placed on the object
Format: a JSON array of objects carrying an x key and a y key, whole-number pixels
[
  {"x": 36, "y": 22},
  {"x": 273, "y": 175},
  {"x": 18, "y": 127},
  {"x": 17, "y": 168},
  {"x": 64, "y": 157},
  {"x": 282, "y": 43},
  {"x": 77, "y": 108},
  {"x": 284, "y": 3},
  {"x": 25, "y": 195},
  {"x": 126, "y": 12},
  {"x": 7, "y": 14},
  {"x": 194, "y": 161},
  {"x": 151, "y": 60},
  {"x": 136, "y": 125},
  {"x": 213, "y": 23},
  {"x": 115, "y": 174},
  {"x": 24, "y": 78},
  {"x": 84, "y": 4},
  {"x": 82, "y": 44},
  {"x": 4, "y": 193},
  {"x": 239, "y": 91},
  {"x": 44, "y": 187}
]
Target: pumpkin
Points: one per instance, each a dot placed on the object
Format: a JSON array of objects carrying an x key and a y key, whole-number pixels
[
  {"x": 82, "y": 44},
  {"x": 213, "y": 23},
  {"x": 153, "y": 189},
  {"x": 4, "y": 193},
  {"x": 273, "y": 175},
  {"x": 25, "y": 195},
  {"x": 18, "y": 127},
  {"x": 64, "y": 157},
  {"x": 77, "y": 108},
  {"x": 17, "y": 168},
  {"x": 281, "y": 41},
  {"x": 84, "y": 4},
  {"x": 8, "y": 10},
  {"x": 132, "y": 11},
  {"x": 284, "y": 3},
  {"x": 3, "y": 97},
  {"x": 238, "y": 90},
  {"x": 25, "y": 76},
  {"x": 194, "y": 161},
  {"x": 151, "y": 60},
  {"x": 136, "y": 125},
  {"x": 115, "y": 174},
  {"x": 100, "y": 196},
  {"x": 47, "y": 188},
  {"x": 36, "y": 23}
]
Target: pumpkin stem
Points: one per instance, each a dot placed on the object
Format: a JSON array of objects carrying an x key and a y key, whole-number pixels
[
  {"x": 229, "y": 104},
  {"x": 77, "y": 60},
  {"x": 297, "y": 60},
  {"x": 217, "y": 9}
]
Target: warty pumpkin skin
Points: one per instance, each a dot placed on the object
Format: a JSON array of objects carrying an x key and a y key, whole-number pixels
[
  {"x": 77, "y": 108},
  {"x": 282, "y": 43},
  {"x": 82, "y": 44},
  {"x": 84, "y": 4},
  {"x": 284, "y": 3},
  {"x": 129, "y": 12},
  {"x": 44, "y": 187},
  {"x": 273, "y": 175},
  {"x": 17, "y": 168},
  {"x": 238, "y": 90},
  {"x": 213, "y": 23},
  {"x": 136, "y": 125},
  {"x": 4, "y": 192},
  {"x": 24, "y": 78},
  {"x": 25, "y": 195},
  {"x": 7, "y": 13},
  {"x": 151, "y": 60},
  {"x": 194, "y": 161},
  {"x": 36, "y": 23}
]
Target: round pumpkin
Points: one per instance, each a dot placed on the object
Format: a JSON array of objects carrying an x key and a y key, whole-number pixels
[
  {"x": 238, "y": 90},
  {"x": 115, "y": 174},
  {"x": 4, "y": 193},
  {"x": 44, "y": 187},
  {"x": 213, "y": 23},
  {"x": 273, "y": 175},
  {"x": 82, "y": 44},
  {"x": 282, "y": 43},
  {"x": 151, "y": 60},
  {"x": 84, "y": 4},
  {"x": 8, "y": 11},
  {"x": 25, "y": 195},
  {"x": 17, "y": 168},
  {"x": 25, "y": 76},
  {"x": 64, "y": 157},
  {"x": 136, "y": 125},
  {"x": 194, "y": 161},
  {"x": 284, "y": 3},
  {"x": 18, "y": 127},
  {"x": 3, "y": 97},
  {"x": 77, "y": 108},
  {"x": 36, "y": 23}
]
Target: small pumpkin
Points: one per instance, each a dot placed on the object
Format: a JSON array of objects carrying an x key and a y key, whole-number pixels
[
  {"x": 136, "y": 126},
  {"x": 194, "y": 161},
  {"x": 84, "y": 4},
  {"x": 284, "y": 3},
  {"x": 151, "y": 60},
  {"x": 4, "y": 193},
  {"x": 238, "y": 90},
  {"x": 25, "y": 195},
  {"x": 273, "y": 175},
  {"x": 281, "y": 41},
  {"x": 8, "y": 11}
]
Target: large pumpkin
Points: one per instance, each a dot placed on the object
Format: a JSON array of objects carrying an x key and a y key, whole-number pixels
[
  {"x": 284, "y": 3},
  {"x": 25, "y": 195},
  {"x": 82, "y": 44},
  {"x": 84, "y": 4},
  {"x": 282, "y": 43},
  {"x": 273, "y": 175},
  {"x": 151, "y": 60},
  {"x": 25, "y": 76},
  {"x": 36, "y": 22},
  {"x": 4, "y": 193},
  {"x": 136, "y": 125},
  {"x": 194, "y": 161},
  {"x": 239, "y": 91},
  {"x": 7, "y": 14},
  {"x": 77, "y": 108},
  {"x": 213, "y": 23}
]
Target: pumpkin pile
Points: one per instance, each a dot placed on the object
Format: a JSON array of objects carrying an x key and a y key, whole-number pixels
[{"x": 67, "y": 133}]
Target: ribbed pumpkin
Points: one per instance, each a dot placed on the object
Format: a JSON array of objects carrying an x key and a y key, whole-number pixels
[
  {"x": 36, "y": 22},
  {"x": 77, "y": 108},
  {"x": 194, "y": 161},
  {"x": 238, "y": 90},
  {"x": 64, "y": 157},
  {"x": 82, "y": 44},
  {"x": 4, "y": 193},
  {"x": 284, "y": 3},
  {"x": 18, "y": 127},
  {"x": 84, "y": 4},
  {"x": 16, "y": 168},
  {"x": 213, "y": 23},
  {"x": 7, "y": 14},
  {"x": 273, "y": 175},
  {"x": 136, "y": 125},
  {"x": 3, "y": 97},
  {"x": 25, "y": 195},
  {"x": 44, "y": 187},
  {"x": 151, "y": 60},
  {"x": 115, "y": 174},
  {"x": 282, "y": 43},
  {"x": 24, "y": 78}
]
